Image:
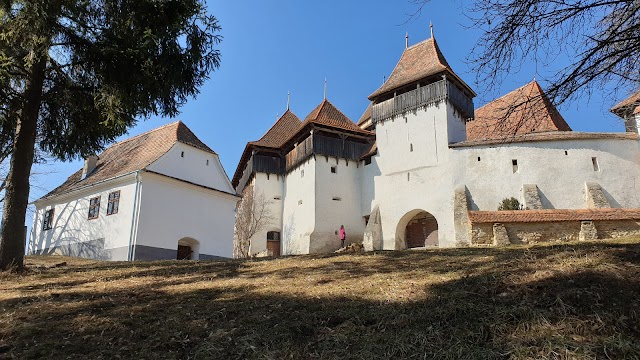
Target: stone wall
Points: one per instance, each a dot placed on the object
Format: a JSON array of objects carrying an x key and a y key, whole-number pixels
[{"x": 482, "y": 234}]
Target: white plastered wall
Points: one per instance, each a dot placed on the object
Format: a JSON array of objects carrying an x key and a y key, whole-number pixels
[
  {"x": 71, "y": 226},
  {"x": 171, "y": 210},
  {"x": 271, "y": 188},
  {"x": 337, "y": 203},
  {"x": 298, "y": 215}
]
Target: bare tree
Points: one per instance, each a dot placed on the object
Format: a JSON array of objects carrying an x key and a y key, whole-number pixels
[
  {"x": 253, "y": 215},
  {"x": 602, "y": 37}
]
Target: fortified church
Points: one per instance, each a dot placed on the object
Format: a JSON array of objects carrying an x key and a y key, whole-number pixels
[{"x": 423, "y": 168}]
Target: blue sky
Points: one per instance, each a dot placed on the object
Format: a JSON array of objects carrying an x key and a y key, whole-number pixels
[{"x": 272, "y": 47}]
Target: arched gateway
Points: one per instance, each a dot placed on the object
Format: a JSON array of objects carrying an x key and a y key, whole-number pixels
[
  {"x": 417, "y": 229},
  {"x": 188, "y": 249}
]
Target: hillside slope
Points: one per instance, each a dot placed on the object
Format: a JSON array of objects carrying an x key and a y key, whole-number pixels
[{"x": 569, "y": 301}]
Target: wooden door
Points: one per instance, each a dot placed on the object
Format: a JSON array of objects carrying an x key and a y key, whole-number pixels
[
  {"x": 422, "y": 232},
  {"x": 184, "y": 252},
  {"x": 273, "y": 247}
]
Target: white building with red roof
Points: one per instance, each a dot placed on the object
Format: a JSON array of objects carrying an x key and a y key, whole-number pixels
[
  {"x": 159, "y": 195},
  {"x": 423, "y": 168}
]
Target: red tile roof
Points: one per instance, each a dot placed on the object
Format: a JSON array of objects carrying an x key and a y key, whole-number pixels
[
  {"x": 631, "y": 105},
  {"x": 328, "y": 115},
  {"x": 366, "y": 115},
  {"x": 547, "y": 136},
  {"x": 285, "y": 127},
  {"x": 552, "y": 215},
  {"x": 132, "y": 154},
  {"x": 522, "y": 111},
  {"x": 418, "y": 62}
]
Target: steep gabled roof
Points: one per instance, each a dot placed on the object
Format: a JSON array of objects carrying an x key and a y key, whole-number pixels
[
  {"x": 366, "y": 115},
  {"x": 285, "y": 127},
  {"x": 631, "y": 105},
  {"x": 523, "y": 111},
  {"x": 132, "y": 154},
  {"x": 328, "y": 115},
  {"x": 418, "y": 62}
]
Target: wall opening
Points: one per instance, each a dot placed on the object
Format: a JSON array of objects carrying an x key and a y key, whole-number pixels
[
  {"x": 273, "y": 243},
  {"x": 566, "y": 152},
  {"x": 594, "y": 161},
  {"x": 478, "y": 158},
  {"x": 188, "y": 249},
  {"x": 334, "y": 169},
  {"x": 182, "y": 154},
  {"x": 514, "y": 165},
  {"x": 411, "y": 147},
  {"x": 417, "y": 229}
]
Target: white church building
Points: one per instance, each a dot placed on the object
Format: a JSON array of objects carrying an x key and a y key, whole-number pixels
[
  {"x": 423, "y": 168},
  {"x": 159, "y": 195}
]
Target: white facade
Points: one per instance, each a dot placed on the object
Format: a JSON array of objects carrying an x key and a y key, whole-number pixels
[{"x": 182, "y": 198}]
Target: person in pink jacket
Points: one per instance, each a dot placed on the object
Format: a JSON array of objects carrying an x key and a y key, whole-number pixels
[{"x": 343, "y": 235}]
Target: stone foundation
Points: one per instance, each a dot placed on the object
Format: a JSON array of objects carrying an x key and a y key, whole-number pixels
[{"x": 483, "y": 234}]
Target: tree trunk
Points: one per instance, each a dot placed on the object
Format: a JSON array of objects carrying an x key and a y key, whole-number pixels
[{"x": 12, "y": 241}]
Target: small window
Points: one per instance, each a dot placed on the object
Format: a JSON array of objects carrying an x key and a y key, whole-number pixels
[
  {"x": 408, "y": 176},
  {"x": 207, "y": 162},
  {"x": 299, "y": 202},
  {"x": 367, "y": 161},
  {"x": 182, "y": 154},
  {"x": 277, "y": 198},
  {"x": 478, "y": 158},
  {"x": 566, "y": 152},
  {"x": 114, "y": 203},
  {"x": 94, "y": 208},
  {"x": 594, "y": 161},
  {"x": 302, "y": 173},
  {"x": 335, "y": 198},
  {"x": 334, "y": 169},
  {"x": 47, "y": 223},
  {"x": 411, "y": 147},
  {"x": 514, "y": 165}
]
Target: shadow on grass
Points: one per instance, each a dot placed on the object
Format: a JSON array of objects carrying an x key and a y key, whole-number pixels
[{"x": 495, "y": 309}]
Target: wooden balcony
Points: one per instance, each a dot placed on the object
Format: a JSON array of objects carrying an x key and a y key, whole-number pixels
[{"x": 434, "y": 93}]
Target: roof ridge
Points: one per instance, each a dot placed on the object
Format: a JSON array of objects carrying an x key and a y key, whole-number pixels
[
  {"x": 275, "y": 123},
  {"x": 147, "y": 132}
]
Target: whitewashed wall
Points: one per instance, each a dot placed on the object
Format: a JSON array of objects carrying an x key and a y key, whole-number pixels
[
  {"x": 171, "y": 210},
  {"x": 559, "y": 169},
  {"x": 368, "y": 175},
  {"x": 72, "y": 229},
  {"x": 344, "y": 185},
  {"x": 298, "y": 216},
  {"x": 272, "y": 189},
  {"x": 193, "y": 167}
]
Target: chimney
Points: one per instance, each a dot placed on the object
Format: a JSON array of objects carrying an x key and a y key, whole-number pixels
[{"x": 89, "y": 165}]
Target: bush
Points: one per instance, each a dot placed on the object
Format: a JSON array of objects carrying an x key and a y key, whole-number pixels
[{"x": 509, "y": 204}]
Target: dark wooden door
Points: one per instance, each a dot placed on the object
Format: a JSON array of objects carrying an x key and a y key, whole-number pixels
[
  {"x": 273, "y": 247},
  {"x": 422, "y": 232},
  {"x": 184, "y": 252}
]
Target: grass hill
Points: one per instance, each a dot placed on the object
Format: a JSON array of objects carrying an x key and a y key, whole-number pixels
[{"x": 568, "y": 301}]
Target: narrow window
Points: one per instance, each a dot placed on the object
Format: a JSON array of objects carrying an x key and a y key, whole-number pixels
[
  {"x": 594, "y": 161},
  {"x": 47, "y": 223},
  {"x": 478, "y": 158},
  {"x": 334, "y": 169},
  {"x": 277, "y": 198},
  {"x": 182, "y": 154},
  {"x": 408, "y": 176},
  {"x": 411, "y": 147},
  {"x": 207, "y": 162},
  {"x": 302, "y": 173},
  {"x": 514, "y": 165},
  {"x": 114, "y": 203},
  {"x": 335, "y": 198},
  {"x": 94, "y": 208},
  {"x": 566, "y": 152}
]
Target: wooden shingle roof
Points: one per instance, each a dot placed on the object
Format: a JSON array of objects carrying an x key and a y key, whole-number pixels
[
  {"x": 418, "y": 62},
  {"x": 631, "y": 105},
  {"x": 523, "y": 111},
  {"x": 132, "y": 155}
]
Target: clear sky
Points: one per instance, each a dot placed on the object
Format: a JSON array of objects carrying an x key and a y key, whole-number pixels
[{"x": 271, "y": 47}]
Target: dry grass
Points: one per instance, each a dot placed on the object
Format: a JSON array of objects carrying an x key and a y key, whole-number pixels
[{"x": 550, "y": 301}]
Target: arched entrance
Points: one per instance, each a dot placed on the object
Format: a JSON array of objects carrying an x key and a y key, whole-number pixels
[
  {"x": 417, "y": 229},
  {"x": 188, "y": 249}
]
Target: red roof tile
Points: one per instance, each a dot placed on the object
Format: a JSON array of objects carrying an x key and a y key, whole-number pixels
[
  {"x": 132, "y": 154},
  {"x": 286, "y": 126},
  {"x": 328, "y": 115},
  {"x": 366, "y": 115},
  {"x": 417, "y": 62},
  {"x": 522, "y": 111},
  {"x": 552, "y": 215},
  {"x": 547, "y": 136},
  {"x": 631, "y": 105}
]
